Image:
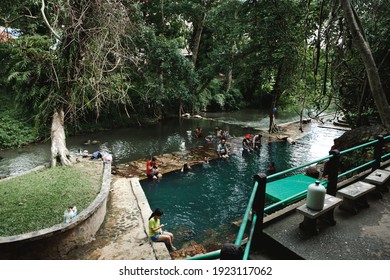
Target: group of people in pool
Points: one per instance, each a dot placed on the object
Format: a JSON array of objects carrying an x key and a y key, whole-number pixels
[
  {"x": 156, "y": 229},
  {"x": 152, "y": 170},
  {"x": 249, "y": 144}
]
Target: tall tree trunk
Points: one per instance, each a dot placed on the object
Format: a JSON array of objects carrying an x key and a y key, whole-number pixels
[
  {"x": 229, "y": 80},
  {"x": 59, "y": 152},
  {"x": 276, "y": 93},
  {"x": 198, "y": 35},
  {"x": 369, "y": 63}
]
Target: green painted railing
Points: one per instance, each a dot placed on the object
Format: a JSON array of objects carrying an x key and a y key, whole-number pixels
[
  {"x": 358, "y": 147},
  {"x": 385, "y": 156},
  {"x": 245, "y": 220},
  {"x": 356, "y": 168},
  {"x": 208, "y": 256},
  {"x": 296, "y": 168},
  {"x": 300, "y": 195},
  {"x": 252, "y": 230},
  {"x": 303, "y": 193}
]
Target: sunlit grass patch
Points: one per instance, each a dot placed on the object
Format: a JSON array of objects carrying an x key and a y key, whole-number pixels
[{"x": 38, "y": 200}]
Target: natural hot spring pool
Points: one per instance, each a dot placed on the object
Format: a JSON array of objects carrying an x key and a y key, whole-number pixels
[{"x": 201, "y": 205}]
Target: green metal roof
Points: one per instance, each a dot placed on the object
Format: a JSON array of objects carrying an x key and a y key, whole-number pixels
[{"x": 288, "y": 187}]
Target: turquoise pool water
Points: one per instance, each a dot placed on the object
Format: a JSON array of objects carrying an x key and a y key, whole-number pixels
[{"x": 201, "y": 205}]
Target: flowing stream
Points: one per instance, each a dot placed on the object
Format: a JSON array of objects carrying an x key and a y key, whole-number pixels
[{"x": 141, "y": 142}]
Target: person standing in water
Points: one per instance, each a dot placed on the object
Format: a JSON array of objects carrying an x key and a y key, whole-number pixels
[
  {"x": 246, "y": 144},
  {"x": 256, "y": 141},
  {"x": 156, "y": 234},
  {"x": 186, "y": 167}
]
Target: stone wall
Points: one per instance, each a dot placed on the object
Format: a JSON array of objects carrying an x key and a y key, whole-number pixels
[{"x": 55, "y": 242}]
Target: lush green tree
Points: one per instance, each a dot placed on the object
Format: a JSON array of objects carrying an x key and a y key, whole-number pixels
[
  {"x": 75, "y": 61},
  {"x": 83, "y": 62},
  {"x": 269, "y": 57}
]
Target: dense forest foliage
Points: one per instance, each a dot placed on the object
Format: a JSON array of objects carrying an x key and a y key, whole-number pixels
[{"x": 88, "y": 64}]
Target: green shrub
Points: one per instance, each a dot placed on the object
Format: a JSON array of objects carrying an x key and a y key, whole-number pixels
[
  {"x": 15, "y": 129},
  {"x": 14, "y": 132}
]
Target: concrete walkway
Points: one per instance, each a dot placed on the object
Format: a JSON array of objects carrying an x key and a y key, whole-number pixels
[
  {"x": 364, "y": 236},
  {"x": 123, "y": 234}
]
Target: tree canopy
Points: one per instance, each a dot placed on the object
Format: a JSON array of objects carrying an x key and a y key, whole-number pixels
[{"x": 114, "y": 62}]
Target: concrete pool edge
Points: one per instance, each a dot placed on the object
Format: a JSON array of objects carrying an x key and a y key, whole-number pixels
[{"x": 160, "y": 250}]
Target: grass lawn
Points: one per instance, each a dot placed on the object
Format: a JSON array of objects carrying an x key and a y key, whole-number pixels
[{"x": 38, "y": 200}]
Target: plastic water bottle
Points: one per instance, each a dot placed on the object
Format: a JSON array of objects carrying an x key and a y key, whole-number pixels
[
  {"x": 315, "y": 196},
  {"x": 67, "y": 216}
]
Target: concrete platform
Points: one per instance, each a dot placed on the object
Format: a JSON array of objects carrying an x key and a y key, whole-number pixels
[{"x": 364, "y": 236}]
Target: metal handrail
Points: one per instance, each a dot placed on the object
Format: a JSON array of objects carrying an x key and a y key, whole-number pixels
[
  {"x": 296, "y": 168},
  {"x": 241, "y": 232},
  {"x": 308, "y": 164},
  {"x": 358, "y": 147},
  {"x": 356, "y": 168},
  {"x": 208, "y": 256},
  {"x": 248, "y": 245}
]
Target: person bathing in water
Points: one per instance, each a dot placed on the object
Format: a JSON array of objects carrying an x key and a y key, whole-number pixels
[
  {"x": 198, "y": 132},
  {"x": 222, "y": 149},
  {"x": 186, "y": 167},
  {"x": 247, "y": 144},
  {"x": 256, "y": 141},
  {"x": 287, "y": 139}
]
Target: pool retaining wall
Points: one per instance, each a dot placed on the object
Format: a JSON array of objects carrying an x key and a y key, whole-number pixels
[
  {"x": 159, "y": 248},
  {"x": 55, "y": 242}
]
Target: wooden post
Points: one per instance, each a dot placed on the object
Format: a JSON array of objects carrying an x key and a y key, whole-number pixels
[
  {"x": 258, "y": 209},
  {"x": 333, "y": 172},
  {"x": 378, "y": 152}
]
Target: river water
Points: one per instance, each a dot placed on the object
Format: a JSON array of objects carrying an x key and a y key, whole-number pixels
[{"x": 141, "y": 142}]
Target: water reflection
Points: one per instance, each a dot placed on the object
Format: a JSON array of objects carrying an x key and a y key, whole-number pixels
[
  {"x": 171, "y": 136},
  {"x": 125, "y": 144}
]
